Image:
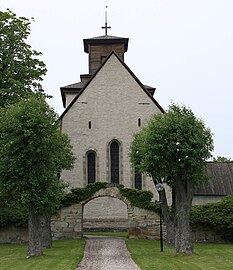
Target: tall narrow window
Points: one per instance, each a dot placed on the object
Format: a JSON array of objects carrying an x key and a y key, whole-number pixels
[
  {"x": 91, "y": 171},
  {"x": 138, "y": 180},
  {"x": 114, "y": 162},
  {"x": 139, "y": 122}
]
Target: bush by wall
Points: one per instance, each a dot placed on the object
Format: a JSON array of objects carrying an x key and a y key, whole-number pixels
[
  {"x": 216, "y": 215},
  {"x": 138, "y": 198},
  {"x": 78, "y": 195}
]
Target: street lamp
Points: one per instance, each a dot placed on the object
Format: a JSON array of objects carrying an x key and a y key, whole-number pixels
[{"x": 160, "y": 188}]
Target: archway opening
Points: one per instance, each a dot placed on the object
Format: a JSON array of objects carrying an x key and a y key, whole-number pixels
[{"x": 105, "y": 214}]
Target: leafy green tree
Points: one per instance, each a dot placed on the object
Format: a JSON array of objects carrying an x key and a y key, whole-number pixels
[
  {"x": 32, "y": 153},
  {"x": 20, "y": 68},
  {"x": 221, "y": 159},
  {"x": 173, "y": 149}
]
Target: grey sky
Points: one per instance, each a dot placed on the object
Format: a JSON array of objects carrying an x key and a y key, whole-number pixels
[{"x": 182, "y": 47}]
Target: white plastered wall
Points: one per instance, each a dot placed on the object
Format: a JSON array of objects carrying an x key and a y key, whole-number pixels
[{"x": 113, "y": 101}]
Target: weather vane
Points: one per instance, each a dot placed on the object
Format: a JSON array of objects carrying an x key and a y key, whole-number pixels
[{"x": 106, "y": 27}]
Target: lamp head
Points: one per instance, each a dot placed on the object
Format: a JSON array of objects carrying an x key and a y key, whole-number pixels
[{"x": 159, "y": 187}]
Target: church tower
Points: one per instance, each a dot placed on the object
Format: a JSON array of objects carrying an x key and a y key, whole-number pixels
[{"x": 99, "y": 48}]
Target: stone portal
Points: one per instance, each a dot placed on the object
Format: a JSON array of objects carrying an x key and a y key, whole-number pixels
[{"x": 141, "y": 223}]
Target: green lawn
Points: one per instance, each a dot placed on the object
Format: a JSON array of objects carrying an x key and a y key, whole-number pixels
[
  {"x": 206, "y": 256},
  {"x": 64, "y": 255}
]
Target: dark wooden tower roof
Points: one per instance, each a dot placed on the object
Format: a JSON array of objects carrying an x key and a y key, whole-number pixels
[{"x": 106, "y": 39}]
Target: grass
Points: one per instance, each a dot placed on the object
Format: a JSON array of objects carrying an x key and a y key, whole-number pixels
[
  {"x": 64, "y": 255},
  {"x": 147, "y": 256}
]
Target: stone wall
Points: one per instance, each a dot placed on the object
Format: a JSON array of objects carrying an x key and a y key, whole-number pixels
[
  {"x": 203, "y": 233},
  {"x": 67, "y": 224},
  {"x": 200, "y": 233},
  {"x": 140, "y": 224},
  {"x": 70, "y": 222},
  {"x": 12, "y": 234},
  {"x": 113, "y": 224},
  {"x": 146, "y": 225}
]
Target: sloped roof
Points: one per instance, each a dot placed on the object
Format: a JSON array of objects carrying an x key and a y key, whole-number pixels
[
  {"x": 106, "y": 39},
  {"x": 76, "y": 85},
  {"x": 221, "y": 180},
  {"x": 74, "y": 88},
  {"x": 128, "y": 69},
  {"x": 79, "y": 85}
]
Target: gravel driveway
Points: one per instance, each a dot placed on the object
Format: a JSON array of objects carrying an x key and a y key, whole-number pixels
[{"x": 104, "y": 253}]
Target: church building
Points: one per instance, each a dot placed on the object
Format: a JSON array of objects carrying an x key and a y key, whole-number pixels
[{"x": 102, "y": 113}]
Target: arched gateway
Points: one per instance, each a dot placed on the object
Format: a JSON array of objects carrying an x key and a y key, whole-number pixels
[{"x": 68, "y": 223}]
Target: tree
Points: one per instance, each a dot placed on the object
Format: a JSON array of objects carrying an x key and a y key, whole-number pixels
[
  {"x": 32, "y": 153},
  {"x": 20, "y": 69},
  {"x": 173, "y": 149},
  {"x": 221, "y": 159}
]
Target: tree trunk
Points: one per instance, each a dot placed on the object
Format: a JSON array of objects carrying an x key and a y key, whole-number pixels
[
  {"x": 183, "y": 203},
  {"x": 170, "y": 226},
  {"x": 168, "y": 217},
  {"x": 46, "y": 237},
  {"x": 171, "y": 223},
  {"x": 34, "y": 234}
]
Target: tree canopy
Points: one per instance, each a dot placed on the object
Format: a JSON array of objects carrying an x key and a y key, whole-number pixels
[
  {"x": 221, "y": 159},
  {"x": 172, "y": 149},
  {"x": 32, "y": 152},
  {"x": 173, "y": 143},
  {"x": 20, "y": 68}
]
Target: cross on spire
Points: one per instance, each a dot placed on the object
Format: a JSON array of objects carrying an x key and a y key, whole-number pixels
[{"x": 106, "y": 27}]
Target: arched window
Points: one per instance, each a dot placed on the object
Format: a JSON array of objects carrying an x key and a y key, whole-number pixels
[
  {"x": 138, "y": 180},
  {"x": 114, "y": 162},
  {"x": 91, "y": 167}
]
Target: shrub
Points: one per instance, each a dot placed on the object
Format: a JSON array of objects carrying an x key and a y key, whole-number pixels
[{"x": 218, "y": 215}]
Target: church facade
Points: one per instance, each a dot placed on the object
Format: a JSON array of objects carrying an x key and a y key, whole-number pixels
[{"x": 102, "y": 113}]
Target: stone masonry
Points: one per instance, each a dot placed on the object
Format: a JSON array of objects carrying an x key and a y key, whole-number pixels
[{"x": 140, "y": 223}]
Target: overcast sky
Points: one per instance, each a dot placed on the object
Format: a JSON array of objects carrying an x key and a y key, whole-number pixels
[{"x": 184, "y": 48}]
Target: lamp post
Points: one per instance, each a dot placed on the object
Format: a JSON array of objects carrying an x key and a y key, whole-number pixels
[{"x": 160, "y": 188}]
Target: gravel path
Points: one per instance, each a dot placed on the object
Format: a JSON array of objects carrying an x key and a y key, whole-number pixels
[{"x": 104, "y": 253}]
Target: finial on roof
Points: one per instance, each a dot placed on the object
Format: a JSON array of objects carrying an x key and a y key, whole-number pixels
[{"x": 106, "y": 27}]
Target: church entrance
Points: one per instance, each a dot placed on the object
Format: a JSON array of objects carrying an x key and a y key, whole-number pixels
[
  {"x": 105, "y": 214},
  {"x": 107, "y": 210}
]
